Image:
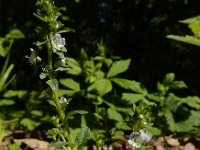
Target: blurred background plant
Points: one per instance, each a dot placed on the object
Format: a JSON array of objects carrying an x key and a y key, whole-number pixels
[{"x": 5, "y": 50}]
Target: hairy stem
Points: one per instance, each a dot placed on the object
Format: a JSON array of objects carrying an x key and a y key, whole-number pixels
[
  {"x": 56, "y": 98},
  {"x": 49, "y": 51},
  {"x": 58, "y": 106}
]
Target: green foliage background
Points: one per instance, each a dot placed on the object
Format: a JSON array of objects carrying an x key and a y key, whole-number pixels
[{"x": 133, "y": 29}]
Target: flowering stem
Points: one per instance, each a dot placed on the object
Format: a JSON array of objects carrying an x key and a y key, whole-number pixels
[
  {"x": 56, "y": 98},
  {"x": 58, "y": 107},
  {"x": 62, "y": 118},
  {"x": 55, "y": 95},
  {"x": 49, "y": 50}
]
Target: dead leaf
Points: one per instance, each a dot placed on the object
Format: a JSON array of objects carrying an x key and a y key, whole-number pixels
[
  {"x": 35, "y": 144},
  {"x": 173, "y": 142},
  {"x": 189, "y": 146}
]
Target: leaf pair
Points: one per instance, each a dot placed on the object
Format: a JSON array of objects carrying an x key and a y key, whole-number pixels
[{"x": 194, "y": 25}]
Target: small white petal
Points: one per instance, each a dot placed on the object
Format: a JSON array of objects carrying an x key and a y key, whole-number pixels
[
  {"x": 144, "y": 136},
  {"x": 136, "y": 145},
  {"x": 145, "y": 123},
  {"x": 32, "y": 57},
  {"x": 130, "y": 142},
  {"x": 62, "y": 100}
]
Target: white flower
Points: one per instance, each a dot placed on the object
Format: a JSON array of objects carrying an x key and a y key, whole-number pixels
[
  {"x": 144, "y": 136},
  {"x": 62, "y": 100},
  {"x": 33, "y": 58},
  {"x": 57, "y": 42},
  {"x": 137, "y": 138},
  {"x": 133, "y": 136},
  {"x": 133, "y": 143},
  {"x": 145, "y": 123}
]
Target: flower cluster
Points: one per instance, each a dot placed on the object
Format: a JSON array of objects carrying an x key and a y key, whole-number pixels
[{"x": 137, "y": 138}]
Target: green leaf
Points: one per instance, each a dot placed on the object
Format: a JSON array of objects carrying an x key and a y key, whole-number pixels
[
  {"x": 178, "y": 85},
  {"x": 29, "y": 124},
  {"x": 185, "y": 39},
  {"x": 16, "y": 34},
  {"x": 122, "y": 125},
  {"x": 62, "y": 69},
  {"x": 155, "y": 97},
  {"x": 82, "y": 136},
  {"x": 102, "y": 86},
  {"x": 6, "y": 102},
  {"x": 83, "y": 122},
  {"x": 154, "y": 131},
  {"x": 74, "y": 66},
  {"x": 18, "y": 114},
  {"x": 83, "y": 57},
  {"x": 52, "y": 103},
  {"x": 99, "y": 58},
  {"x": 114, "y": 115},
  {"x": 37, "y": 113},
  {"x": 170, "y": 120},
  {"x": 12, "y": 93},
  {"x": 99, "y": 75},
  {"x": 195, "y": 19},
  {"x": 129, "y": 84},
  {"x": 195, "y": 118},
  {"x": 66, "y": 30},
  {"x": 118, "y": 135},
  {"x": 192, "y": 101},
  {"x": 53, "y": 84},
  {"x": 171, "y": 102},
  {"x": 194, "y": 24},
  {"x": 169, "y": 78},
  {"x": 108, "y": 62},
  {"x": 82, "y": 112},
  {"x": 3, "y": 50},
  {"x": 195, "y": 27},
  {"x": 14, "y": 146},
  {"x": 98, "y": 116},
  {"x": 162, "y": 88},
  {"x": 118, "y": 67},
  {"x": 62, "y": 92},
  {"x": 181, "y": 126},
  {"x": 39, "y": 17},
  {"x": 132, "y": 98},
  {"x": 5, "y": 76},
  {"x": 59, "y": 144},
  {"x": 70, "y": 83},
  {"x": 74, "y": 112},
  {"x": 38, "y": 43}
]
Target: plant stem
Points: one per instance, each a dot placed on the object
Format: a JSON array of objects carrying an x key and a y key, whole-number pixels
[
  {"x": 165, "y": 143},
  {"x": 55, "y": 95},
  {"x": 49, "y": 50},
  {"x": 56, "y": 98},
  {"x": 58, "y": 106}
]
